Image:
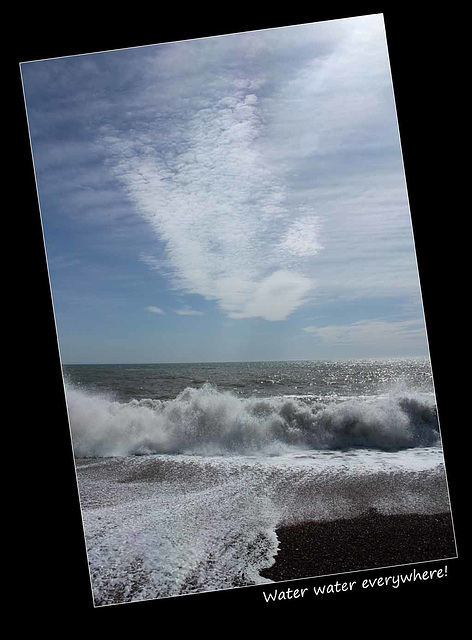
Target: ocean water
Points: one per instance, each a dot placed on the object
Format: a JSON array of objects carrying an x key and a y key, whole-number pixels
[{"x": 185, "y": 471}]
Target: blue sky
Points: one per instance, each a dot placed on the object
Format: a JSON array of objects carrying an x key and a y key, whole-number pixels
[{"x": 240, "y": 197}]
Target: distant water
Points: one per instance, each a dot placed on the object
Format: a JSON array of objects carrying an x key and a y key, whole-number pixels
[
  {"x": 315, "y": 378},
  {"x": 186, "y": 470}
]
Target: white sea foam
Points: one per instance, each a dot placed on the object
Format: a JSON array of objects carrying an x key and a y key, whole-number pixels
[
  {"x": 206, "y": 421},
  {"x": 164, "y": 525}
]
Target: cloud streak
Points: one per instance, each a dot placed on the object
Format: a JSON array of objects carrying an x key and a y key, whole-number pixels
[
  {"x": 375, "y": 333},
  {"x": 251, "y": 167},
  {"x": 221, "y": 211},
  {"x": 189, "y": 312}
]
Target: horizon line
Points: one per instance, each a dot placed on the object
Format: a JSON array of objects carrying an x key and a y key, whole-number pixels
[{"x": 404, "y": 357}]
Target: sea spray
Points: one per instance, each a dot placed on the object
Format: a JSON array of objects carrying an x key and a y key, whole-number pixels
[{"x": 206, "y": 421}]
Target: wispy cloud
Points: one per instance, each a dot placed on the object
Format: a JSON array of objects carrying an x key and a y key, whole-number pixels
[
  {"x": 221, "y": 211},
  {"x": 370, "y": 333},
  {"x": 244, "y": 174},
  {"x": 156, "y": 310},
  {"x": 189, "y": 312}
]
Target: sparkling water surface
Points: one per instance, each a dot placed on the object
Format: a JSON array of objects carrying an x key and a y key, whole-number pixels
[{"x": 166, "y": 380}]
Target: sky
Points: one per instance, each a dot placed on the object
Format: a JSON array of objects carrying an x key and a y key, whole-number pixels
[{"x": 232, "y": 198}]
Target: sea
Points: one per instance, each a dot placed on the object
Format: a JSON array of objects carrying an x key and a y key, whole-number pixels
[{"x": 185, "y": 471}]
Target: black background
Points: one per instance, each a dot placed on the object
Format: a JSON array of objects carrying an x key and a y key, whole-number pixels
[{"x": 50, "y": 572}]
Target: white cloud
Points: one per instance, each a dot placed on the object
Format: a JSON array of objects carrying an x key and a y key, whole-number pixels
[
  {"x": 336, "y": 99},
  {"x": 275, "y": 297},
  {"x": 242, "y": 170},
  {"x": 155, "y": 310},
  {"x": 302, "y": 239},
  {"x": 375, "y": 333},
  {"x": 189, "y": 312},
  {"x": 220, "y": 210}
]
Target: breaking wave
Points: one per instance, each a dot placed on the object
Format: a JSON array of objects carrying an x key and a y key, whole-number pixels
[{"x": 206, "y": 421}]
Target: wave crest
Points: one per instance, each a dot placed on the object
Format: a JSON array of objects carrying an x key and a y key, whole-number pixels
[{"x": 206, "y": 421}]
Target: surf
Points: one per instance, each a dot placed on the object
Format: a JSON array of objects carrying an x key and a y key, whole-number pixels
[{"x": 207, "y": 421}]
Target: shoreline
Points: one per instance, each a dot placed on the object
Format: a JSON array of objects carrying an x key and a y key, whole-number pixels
[{"x": 369, "y": 541}]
